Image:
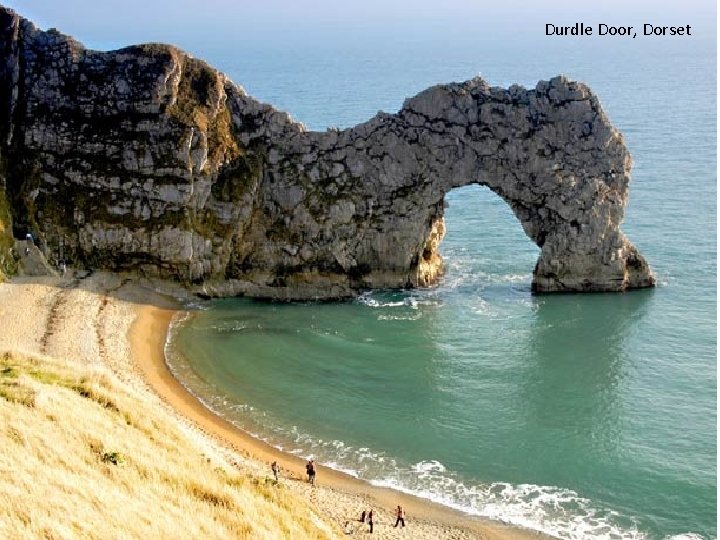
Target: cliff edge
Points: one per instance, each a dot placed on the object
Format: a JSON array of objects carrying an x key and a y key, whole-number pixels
[{"x": 146, "y": 159}]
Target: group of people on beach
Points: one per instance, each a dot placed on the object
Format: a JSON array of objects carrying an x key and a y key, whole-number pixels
[
  {"x": 368, "y": 516},
  {"x": 309, "y": 469}
]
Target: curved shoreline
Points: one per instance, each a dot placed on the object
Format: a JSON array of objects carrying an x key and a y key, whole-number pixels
[{"x": 148, "y": 335}]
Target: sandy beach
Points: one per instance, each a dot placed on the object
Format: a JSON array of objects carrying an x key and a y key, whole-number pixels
[{"x": 121, "y": 323}]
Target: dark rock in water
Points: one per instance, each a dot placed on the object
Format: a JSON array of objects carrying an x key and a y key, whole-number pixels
[{"x": 149, "y": 160}]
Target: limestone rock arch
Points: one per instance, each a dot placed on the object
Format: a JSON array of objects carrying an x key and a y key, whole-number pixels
[
  {"x": 149, "y": 160},
  {"x": 550, "y": 153}
]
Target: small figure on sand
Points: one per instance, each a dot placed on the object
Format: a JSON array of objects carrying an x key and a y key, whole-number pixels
[
  {"x": 348, "y": 527},
  {"x": 370, "y": 520},
  {"x": 400, "y": 513},
  {"x": 275, "y": 470},
  {"x": 362, "y": 516},
  {"x": 310, "y": 469}
]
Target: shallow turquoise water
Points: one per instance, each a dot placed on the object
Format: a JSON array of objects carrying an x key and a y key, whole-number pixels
[{"x": 583, "y": 416}]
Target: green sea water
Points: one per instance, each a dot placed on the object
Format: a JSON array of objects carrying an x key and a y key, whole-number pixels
[{"x": 584, "y": 416}]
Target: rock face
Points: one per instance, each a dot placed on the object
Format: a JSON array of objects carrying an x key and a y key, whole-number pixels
[{"x": 147, "y": 159}]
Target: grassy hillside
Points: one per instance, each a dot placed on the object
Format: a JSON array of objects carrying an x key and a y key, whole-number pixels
[{"x": 85, "y": 457}]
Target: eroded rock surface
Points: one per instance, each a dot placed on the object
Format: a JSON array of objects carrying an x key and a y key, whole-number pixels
[{"x": 147, "y": 159}]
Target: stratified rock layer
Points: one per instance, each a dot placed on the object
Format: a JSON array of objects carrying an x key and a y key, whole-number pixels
[{"x": 149, "y": 160}]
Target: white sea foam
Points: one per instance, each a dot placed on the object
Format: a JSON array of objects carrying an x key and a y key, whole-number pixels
[
  {"x": 195, "y": 305},
  {"x": 428, "y": 466},
  {"x": 548, "y": 509},
  {"x": 375, "y": 300},
  {"x": 231, "y": 326},
  {"x": 369, "y": 299},
  {"x": 409, "y": 317},
  {"x": 372, "y": 302}
]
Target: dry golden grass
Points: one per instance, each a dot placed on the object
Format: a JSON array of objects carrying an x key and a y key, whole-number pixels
[{"x": 85, "y": 457}]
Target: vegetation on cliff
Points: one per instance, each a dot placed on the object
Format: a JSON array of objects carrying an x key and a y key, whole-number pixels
[{"x": 8, "y": 265}]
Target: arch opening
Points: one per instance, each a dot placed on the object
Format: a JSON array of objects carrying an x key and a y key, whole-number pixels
[{"x": 484, "y": 243}]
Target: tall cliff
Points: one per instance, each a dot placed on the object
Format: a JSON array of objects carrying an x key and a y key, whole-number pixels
[
  {"x": 8, "y": 265},
  {"x": 147, "y": 159}
]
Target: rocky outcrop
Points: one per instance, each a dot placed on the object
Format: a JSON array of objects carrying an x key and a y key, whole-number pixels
[
  {"x": 148, "y": 159},
  {"x": 8, "y": 262}
]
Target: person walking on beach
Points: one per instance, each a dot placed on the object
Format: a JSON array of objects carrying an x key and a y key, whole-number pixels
[
  {"x": 310, "y": 468},
  {"x": 370, "y": 520},
  {"x": 275, "y": 470},
  {"x": 400, "y": 513}
]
